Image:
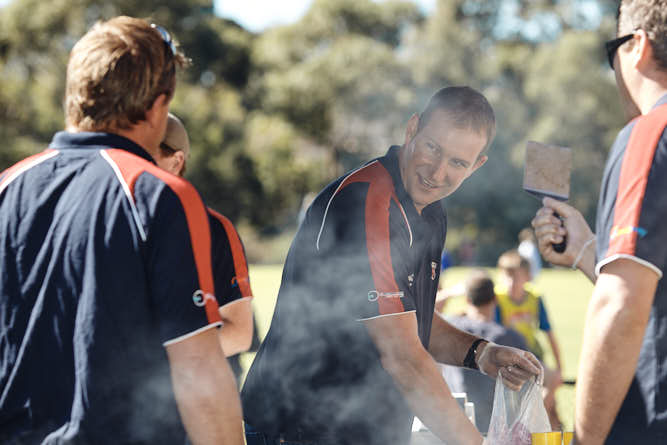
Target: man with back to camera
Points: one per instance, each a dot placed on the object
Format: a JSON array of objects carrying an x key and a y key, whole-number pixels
[
  {"x": 352, "y": 349},
  {"x": 621, "y": 397},
  {"x": 230, "y": 268},
  {"x": 106, "y": 263}
]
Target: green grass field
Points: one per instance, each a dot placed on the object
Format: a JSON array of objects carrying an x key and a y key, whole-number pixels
[{"x": 566, "y": 294}]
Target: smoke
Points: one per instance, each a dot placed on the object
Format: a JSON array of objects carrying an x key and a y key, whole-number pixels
[{"x": 318, "y": 368}]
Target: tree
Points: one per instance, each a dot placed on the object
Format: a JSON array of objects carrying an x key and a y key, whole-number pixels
[{"x": 276, "y": 115}]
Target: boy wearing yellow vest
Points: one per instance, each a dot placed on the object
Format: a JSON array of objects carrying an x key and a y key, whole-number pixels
[{"x": 520, "y": 307}]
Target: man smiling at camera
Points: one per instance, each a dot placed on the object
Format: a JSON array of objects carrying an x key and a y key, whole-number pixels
[{"x": 351, "y": 353}]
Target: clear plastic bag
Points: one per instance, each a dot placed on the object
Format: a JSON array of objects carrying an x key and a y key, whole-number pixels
[{"x": 517, "y": 414}]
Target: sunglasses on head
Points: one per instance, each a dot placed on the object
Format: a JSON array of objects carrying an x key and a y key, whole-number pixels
[
  {"x": 166, "y": 38},
  {"x": 613, "y": 45}
]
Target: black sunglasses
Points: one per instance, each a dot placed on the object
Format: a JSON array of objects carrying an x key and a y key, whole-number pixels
[
  {"x": 612, "y": 47},
  {"x": 167, "y": 148},
  {"x": 166, "y": 37}
]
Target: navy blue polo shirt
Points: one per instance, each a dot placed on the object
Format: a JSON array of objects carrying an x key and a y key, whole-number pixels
[
  {"x": 632, "y": 224},
  {"x": 362, "y": 251},
  {"x": 104, "y": 259}
]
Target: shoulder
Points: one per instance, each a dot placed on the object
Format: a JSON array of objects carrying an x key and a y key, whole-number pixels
[
  {"x": 372, "y": 176},
  {"x": 129, "y": 168},
  {"x": 149, "y": 187},
  {"x": 532, "y": 291},
  {"x": 501, "y": 294},
  {"x": 644, "y": 133},
  {"x": 218, "y": 220},
  {"x": 223, "y": 229}
]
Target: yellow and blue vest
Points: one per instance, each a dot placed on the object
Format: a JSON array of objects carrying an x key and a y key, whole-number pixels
[{"x": 526, "y": 317}]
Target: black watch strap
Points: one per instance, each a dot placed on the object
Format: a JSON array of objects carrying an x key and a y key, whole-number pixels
[{"x": 469, "y": 361}]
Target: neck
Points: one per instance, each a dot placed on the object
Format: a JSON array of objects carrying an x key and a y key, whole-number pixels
[
  {"x": 136, "y": 134},
  {"x": 651, "y": 89}
]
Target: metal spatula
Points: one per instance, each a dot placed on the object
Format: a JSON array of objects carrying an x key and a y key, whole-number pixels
[{"x": 547, "y": 172}]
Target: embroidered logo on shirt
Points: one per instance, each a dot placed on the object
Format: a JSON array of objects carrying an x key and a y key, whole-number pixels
[
  {"x": 618, "y": 231},
  {"x": 376, "y": 295},
  {"x": 199, "y": 298},
  {"x": 411, "y": 279},
  {"x": 434, "y": 267}
]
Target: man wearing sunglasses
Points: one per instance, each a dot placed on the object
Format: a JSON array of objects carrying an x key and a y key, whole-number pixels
[
  {"x": 230, "y": 268},
  {"x": 622, "y": 381},
  {"x": 108, "y": 319}
]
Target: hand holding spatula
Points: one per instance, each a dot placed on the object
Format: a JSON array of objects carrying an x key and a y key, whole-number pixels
[{"x": 547, "y": 173}]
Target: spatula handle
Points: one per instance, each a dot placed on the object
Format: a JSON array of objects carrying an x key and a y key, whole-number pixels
[{"x": 560, "y": 247}]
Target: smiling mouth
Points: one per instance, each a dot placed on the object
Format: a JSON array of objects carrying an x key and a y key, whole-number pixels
[{"x": 426, "y": 183}]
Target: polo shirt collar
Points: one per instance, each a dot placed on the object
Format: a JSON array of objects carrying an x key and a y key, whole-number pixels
[
  {"x": 661, "y": 101},
  {"x": 93, "y": 140}
]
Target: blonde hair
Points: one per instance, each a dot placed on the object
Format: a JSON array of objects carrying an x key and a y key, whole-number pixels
[{"x": 115, "y": 73}]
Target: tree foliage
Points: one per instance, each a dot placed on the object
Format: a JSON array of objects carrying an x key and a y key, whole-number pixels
[{"x": 276, "y": 115}]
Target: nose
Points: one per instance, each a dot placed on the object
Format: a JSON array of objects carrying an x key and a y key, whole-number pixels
[{"x": 439, "y": 173}]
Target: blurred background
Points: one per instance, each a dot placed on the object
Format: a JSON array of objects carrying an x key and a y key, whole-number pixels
[{"x": 285, "y": 96}]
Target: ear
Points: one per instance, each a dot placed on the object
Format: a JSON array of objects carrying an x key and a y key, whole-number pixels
[
  {"x": 178, "y": 159},
  {"x": 642, "y": 51},
  {"x": 412, "y": 128},
  {"x": 481, "y": 160},
  {"x": 157, "y": 112}
]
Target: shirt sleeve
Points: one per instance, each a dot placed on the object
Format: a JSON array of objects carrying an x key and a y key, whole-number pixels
[
  {"x": 543, "y": 318},
  {"x": 640, "y": 204},
  {"x": 179, "y": 261},
  {"x": 365, "y": 247},
  {"x": 230, "y": 267}
]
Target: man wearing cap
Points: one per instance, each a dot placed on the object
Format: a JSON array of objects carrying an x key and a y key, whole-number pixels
[
  {"x": 622, "y": 380},
  {"x": 108, "y": 319},
  {"x": 230, "y": 268}
]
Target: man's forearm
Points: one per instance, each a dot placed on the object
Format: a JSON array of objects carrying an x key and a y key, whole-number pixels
[
  {"x": 418, "y": 378},
  {"x": 210, "y": 407},
  {"x": 205, "y": 390},
  {"x": 427, "y": 394},
  {"x": 614, "y": 330},
  {"x": 448, "y": 345}
]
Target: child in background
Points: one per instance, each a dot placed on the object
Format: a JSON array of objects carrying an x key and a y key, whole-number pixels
[{"x": 520, "y": 307}]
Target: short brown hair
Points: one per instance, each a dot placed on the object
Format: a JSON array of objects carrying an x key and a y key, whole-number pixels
[
  {"x": 468, "y": 109},
  {"x": 512, "y": 260},
  {"x": 115, "y": 73},
  {"x": 651, "y": 16},
  {"x": 480, "y": 288}
]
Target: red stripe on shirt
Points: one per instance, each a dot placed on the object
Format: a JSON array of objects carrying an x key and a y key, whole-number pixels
[
  {"x": 21, "y": 164},
  {"x": 238, "y": 254},
  {"x": 131, "y": 167},
  {"x": 635, "y": 170},
  {"x": 378, "y": 200}
]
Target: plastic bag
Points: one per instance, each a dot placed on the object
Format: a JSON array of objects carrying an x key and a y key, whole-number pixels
[{"x": 517, "y": 414}]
